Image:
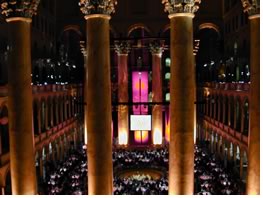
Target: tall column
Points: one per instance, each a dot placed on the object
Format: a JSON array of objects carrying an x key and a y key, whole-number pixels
[
  {"x": 122, "y": 49},
  {"x": 253, "y": 172},
  {"x": 182, "y": 91},
  {"x": 22, "y": 154},
  {"x": 84, "y": 52},
  {"x": 98, "y": 95},
  {"x": 156, "y": 49}
]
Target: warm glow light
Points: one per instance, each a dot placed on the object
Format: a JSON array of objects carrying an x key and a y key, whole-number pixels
[
  {"x": 194, "y": 125},
  {"x": 140, "y": 91},
  {"x": 85, "y": 132},
  {"x": 167, "y": 127},
  {"x": 141, "y": 136},
  {"x": 157, "y": 136},
  {"x": 123, "y": 137}
]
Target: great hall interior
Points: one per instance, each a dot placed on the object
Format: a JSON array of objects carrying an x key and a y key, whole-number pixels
[{"x": 129, "y": 97}]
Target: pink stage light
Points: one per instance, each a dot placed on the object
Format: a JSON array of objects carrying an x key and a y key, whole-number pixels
[{"x": 140, "y": 91}]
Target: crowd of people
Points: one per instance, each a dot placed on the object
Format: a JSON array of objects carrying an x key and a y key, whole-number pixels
[
  {"x": 123, "y": 158},
  {"x": 211, "y": 177},
  {"x": 140, "y": 185},
  {"x": 70, "y": 177}
]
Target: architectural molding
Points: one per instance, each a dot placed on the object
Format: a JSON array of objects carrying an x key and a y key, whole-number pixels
[
  {"x": 90, "y": 7},
  {"x": 156, "y": 47},
  {"x": 181, "y": 6},
  {"x": 252, "y": 7},
  {"x": 122, "y": 47},
  {"x": 19, "y": 9}
]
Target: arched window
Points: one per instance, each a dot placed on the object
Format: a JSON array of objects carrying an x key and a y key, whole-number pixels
[
  {"x": 167, "y": 62},
  {"x": 167, "y": 76},
  {"x": 167, "y": 97}
]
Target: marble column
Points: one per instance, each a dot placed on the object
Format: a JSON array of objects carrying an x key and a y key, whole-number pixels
[
  {"x": 253, "y": 171},
  {"x": 182, "y": 91},
  {"x": 122, "y": 49},
  {"x": 98, "y": 96},
  {"x": 22, "y": 152},
  {"x": 84, "y": 53},
  {"x": 156, "y": 49}
]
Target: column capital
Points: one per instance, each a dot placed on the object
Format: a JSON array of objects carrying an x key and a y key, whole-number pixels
[
  {"x": 19, "y": 10},
  {"x": 156, "y": 47},
  {"x": 83, "y": 50},
  {"x": 181, "y": 6},
  {"x": 97, "y": 7},
  {"x": 252, "y": 7},
  {"x": 122, "y": 47}
]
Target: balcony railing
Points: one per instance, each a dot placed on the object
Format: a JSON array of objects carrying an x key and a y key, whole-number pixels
[
  {"x": 228, "y": 131},
  {"x": 46, "y": 137},
  {"x": 227, "y": 86}
]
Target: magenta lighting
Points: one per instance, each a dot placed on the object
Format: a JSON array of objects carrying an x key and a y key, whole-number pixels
[{"x": 140, "y": 91}]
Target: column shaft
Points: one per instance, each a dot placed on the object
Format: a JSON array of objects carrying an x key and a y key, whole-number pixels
[
  {"x": 123, "y": 110},
  {"x": 181, "y": 150},
  {"x": 253, "y": 174},
  {"x": 22, "y": 154},
  {"x": 98, "y": 109},
  {"x": 157, "y": 116}
]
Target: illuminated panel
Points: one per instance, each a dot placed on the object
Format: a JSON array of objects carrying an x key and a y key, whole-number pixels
[
  {"x": 141, "y": 136},
  {"x": 123, "y": 138},
  {"x": 167, "y": 126},
  {"x": 140, "y": 91},
  {"x": 140, "y": 123},
  {"x": 157, "y": 136}
]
